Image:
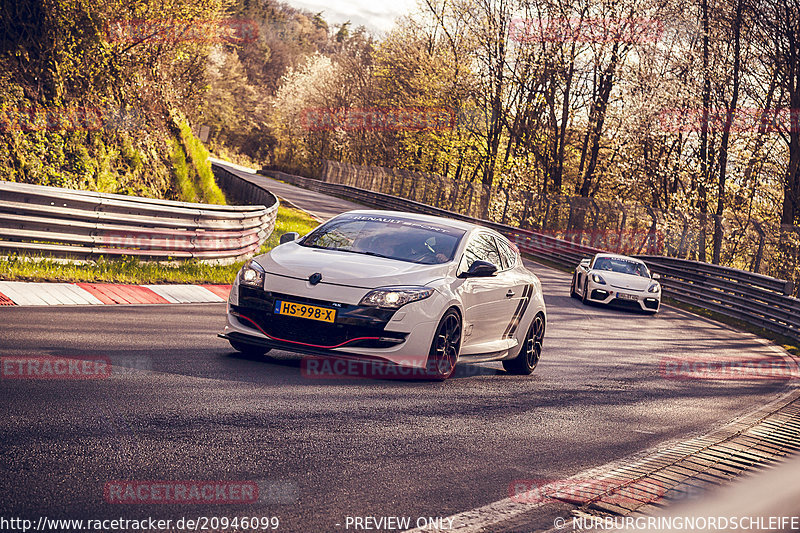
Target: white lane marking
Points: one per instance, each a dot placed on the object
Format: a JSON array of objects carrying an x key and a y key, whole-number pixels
[
  {"x": 59, "y": 291},
  {"x": 69, "y": 293},
  {"x": 83, "y": 295},
  {"x": 20, "y": 294},
  {"x": 48, "y": 294},
  {"x": 195, "y": 293},
  {"x": 185, "y": 293},
  {"x": 212, "y": 296},
  {"x": 164, "y": 293},
  {"x": 44, "y": 293}
]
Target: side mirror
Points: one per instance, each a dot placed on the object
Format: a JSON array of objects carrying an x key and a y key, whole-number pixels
[
  {"x": 586, "y": 262},
  {"x": 289, "y": 237},
  {"x": 479, "y": 269},
  {"x": 656, "y": 276}
]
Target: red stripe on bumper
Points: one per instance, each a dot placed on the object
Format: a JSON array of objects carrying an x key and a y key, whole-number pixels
[{"x": 305, "y": 343}]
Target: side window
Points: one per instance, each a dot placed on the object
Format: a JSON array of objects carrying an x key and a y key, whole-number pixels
[
  {"x": 509, "y": 256},
  {"x": 480, "y": 248}
]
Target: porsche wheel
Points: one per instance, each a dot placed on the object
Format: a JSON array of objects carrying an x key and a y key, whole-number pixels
[
  {"x": 445, "y": 347},
  {"x": 585, "y": 295},
  {"x": 527, "y": 359},
  {"x": 248, "y": 349},
  {"x": 572, "y": 292}
]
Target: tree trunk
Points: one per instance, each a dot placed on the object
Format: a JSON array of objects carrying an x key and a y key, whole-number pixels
[{"x": 723, "y": 147}]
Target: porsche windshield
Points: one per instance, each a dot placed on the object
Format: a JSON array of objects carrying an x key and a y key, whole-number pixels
[
  {"x": 623, "y": 266},
  {"x": 387, "y": 236}
]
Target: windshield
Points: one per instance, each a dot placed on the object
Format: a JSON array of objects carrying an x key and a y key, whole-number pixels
[
  {"x": 387, "y": 236},
  {"x": 623, "y": 266}
]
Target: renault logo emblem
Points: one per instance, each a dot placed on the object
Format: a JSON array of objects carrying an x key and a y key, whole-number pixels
[{"x": 315, "y": 278}]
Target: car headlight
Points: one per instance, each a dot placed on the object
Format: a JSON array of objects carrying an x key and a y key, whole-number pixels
[
  {"x": 252, "y": 274},
  {"x": 597, "y": 278},
  {"x": 394, "y": 297},
  {"x": 654, "y": 287}
]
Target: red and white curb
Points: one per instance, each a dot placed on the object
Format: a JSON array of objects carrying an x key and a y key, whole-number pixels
[{"x": 21, "y": 293}]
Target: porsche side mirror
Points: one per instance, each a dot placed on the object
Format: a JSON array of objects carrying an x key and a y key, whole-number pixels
[
  {"x": 585, "y": 262},
  {"x": 479, "y": 269},
  {"x": 656, "y": 276},
  {"x": 289, "y": 237}
]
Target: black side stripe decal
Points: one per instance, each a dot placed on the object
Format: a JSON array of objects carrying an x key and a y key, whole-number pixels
[{"x": 520, "y": 312}]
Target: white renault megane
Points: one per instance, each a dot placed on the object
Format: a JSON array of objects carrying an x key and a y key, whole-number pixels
[{"x": 400, "y": 288}]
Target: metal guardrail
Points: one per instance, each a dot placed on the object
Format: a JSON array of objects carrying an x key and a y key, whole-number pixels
[
  {"x": 73, "y": 224},
  {"x": 753, "y": 298},
  {"x": 762, "y": 247}
]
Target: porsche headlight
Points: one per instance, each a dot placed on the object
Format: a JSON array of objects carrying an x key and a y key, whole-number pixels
[
  {"x": 654, "y": 287},
  {"x": 597, "y": 278},
  {"x": 394, "y": 297},
  {"x": 252, "y": 274}
]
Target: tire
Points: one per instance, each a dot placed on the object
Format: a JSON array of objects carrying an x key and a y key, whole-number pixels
[
  {"x": 585, "y": 295},
  {"x": 530, "y": 351},
  {"x": 248, "y": 349},
  {"x": 572, "y": 292},
  {"x": 445, "y": 347}
]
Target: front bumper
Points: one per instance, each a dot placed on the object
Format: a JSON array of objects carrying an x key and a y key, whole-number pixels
[
  {"x": 399, "y": 336},
  {"x": 629, "y": 299}
]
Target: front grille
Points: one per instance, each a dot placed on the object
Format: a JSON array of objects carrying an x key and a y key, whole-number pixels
[
  {"x": 352, "y": 321},
  {"x": 626, "y": 304},
  {"x": 599, "y": 294}
]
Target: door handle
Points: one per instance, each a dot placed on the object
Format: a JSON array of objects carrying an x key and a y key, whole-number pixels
[{"x": 510, "y": 293}]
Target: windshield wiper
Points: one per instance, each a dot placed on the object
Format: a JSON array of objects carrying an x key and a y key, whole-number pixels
[{"x": 367, "y": 252}]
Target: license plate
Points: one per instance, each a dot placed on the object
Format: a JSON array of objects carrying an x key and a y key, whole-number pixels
[
  {"x": 311, "y": 312},
  {"x": 623, "y": 296}
]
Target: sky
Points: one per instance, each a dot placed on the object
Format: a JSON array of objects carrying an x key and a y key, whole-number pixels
[{"x": 376, "y": 15}]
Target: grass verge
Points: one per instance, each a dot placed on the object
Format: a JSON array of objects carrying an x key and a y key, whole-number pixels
[{"x": 131, "y": 270}]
